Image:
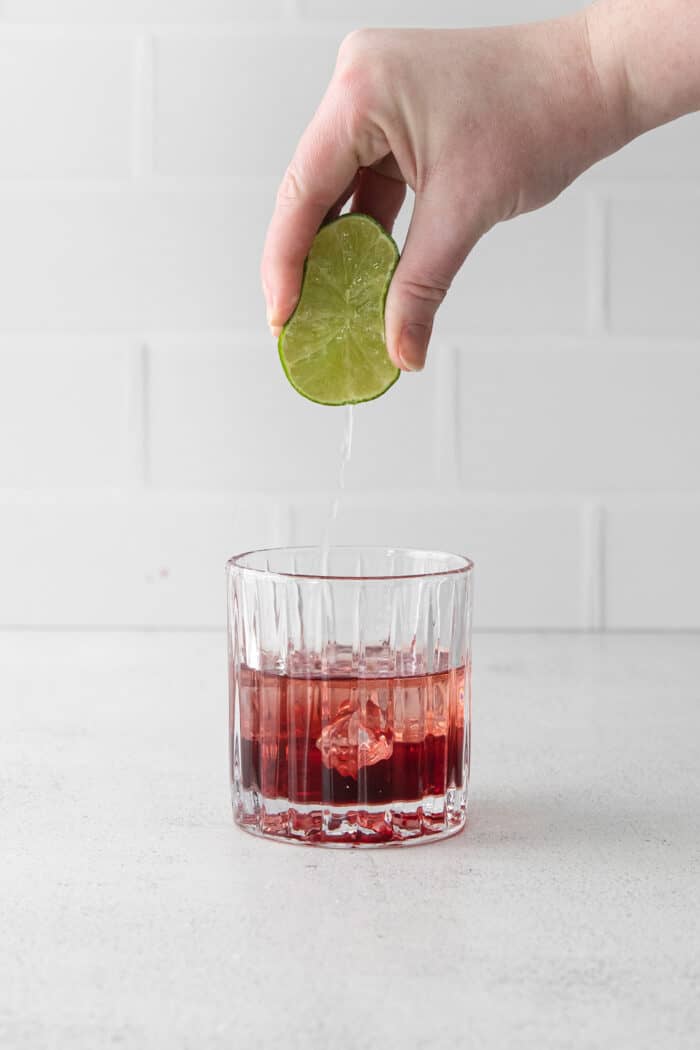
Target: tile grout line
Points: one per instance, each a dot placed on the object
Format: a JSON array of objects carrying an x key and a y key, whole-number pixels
[
  {"x": 597, "y": 265},
  {"x": 142, "y": 116},
  {"x": 136, "y": 419},
  {"x": 593, "y": 566},
  {"x": 145, "y": 377}
]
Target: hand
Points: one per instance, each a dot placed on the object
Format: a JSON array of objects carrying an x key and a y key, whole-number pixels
[{"x": 481, "y": 124}]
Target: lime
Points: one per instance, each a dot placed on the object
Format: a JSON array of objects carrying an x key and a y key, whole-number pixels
[{"x": 332, "y": 347}]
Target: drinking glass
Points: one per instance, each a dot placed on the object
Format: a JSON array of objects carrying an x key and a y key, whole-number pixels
[{"x": 350, "y": 699}]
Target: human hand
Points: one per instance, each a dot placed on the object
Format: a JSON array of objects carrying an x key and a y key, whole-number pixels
[{"x": 483, "y": 124}]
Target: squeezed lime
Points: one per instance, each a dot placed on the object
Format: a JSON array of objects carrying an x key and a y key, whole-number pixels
[{"x": 332, "y": 348}]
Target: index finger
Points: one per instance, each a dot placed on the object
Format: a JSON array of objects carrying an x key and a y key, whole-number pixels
[{"x": 324, "y": 164}]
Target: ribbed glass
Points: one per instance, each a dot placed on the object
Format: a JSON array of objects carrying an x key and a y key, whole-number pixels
[{"x": 350, "y": 697}]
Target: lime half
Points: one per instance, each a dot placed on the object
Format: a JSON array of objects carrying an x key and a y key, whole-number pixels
[{"x": 332, "y": 347}]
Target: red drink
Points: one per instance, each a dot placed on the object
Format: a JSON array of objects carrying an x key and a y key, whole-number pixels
[
  {"x": 351, "y": 759},
  {"x": 349, "y": 684}
]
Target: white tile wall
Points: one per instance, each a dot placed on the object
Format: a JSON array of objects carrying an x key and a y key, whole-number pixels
[
  {"x": 652, "y": 563},
  {"x": 130, "y": 258},
  {"x": 205, "y": 87},
  {"x": 132, "y": 560},
  {"x": 222, "y": 415},
  {"x": 146, "y": 428},
  {"x": 70, "y": 12},
  {"x": 653, "y": 240},
  {"x": 529, "y": 570},
  {"x": 64, "y": 412},
  {"x": 444, "y": 13},
  {"x": 582, "y": 415},
  {"x": 64, "y": 107}
]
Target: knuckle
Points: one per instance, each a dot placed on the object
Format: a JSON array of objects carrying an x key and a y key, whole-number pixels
[
  {"x": 295, "y": 190},
  {"x": 355, "y": 45},
  {"x": 359, "y": 67},
  {"x": 363, "y": 87},
  {"x": 291, "y": 189},
  {"x": 430, "y": 290},
  {"x": 356, "y": 85}
]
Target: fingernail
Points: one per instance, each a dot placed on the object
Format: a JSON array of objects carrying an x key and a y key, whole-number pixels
[
  {"x": 413, "y": 343},
  {"x": 275, "y": 328}
]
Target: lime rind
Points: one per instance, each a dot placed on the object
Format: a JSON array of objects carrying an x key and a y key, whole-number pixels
[{"x": 332, "y": 347}]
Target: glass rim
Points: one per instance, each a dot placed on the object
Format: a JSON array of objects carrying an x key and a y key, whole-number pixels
[{"x": 237, "y": 562}]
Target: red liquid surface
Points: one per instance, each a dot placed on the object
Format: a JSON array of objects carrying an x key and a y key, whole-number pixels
[{"x": 351, "y": 741}]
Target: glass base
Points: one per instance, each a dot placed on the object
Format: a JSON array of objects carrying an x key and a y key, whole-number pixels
[{"x": 400, "y": 824}]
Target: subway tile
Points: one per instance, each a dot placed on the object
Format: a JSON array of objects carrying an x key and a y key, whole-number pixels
[
  {"x": 64, "y": 107},
  {"x": 527, "y": 553},
  {"x": 654, "y": 264},
  {"x": 140, "y": 11},
  {"x": 450, "y": 13},
  {"x": 537, "y": 415},
  {"x": 222, "y": 414},
  {"x": 236, "y": 105},
  {"x": 133, "y": 259},
  {"x": 64, "y": 412},
  {"x": 652, "y": 568},
  {"x": 149, "y": 562}
]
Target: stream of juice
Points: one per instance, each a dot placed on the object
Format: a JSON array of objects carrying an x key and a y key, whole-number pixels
[{"x": 345, "y": 453}]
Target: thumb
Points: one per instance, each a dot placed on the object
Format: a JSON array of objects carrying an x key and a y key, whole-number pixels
[{"x": 437, "y": 244}]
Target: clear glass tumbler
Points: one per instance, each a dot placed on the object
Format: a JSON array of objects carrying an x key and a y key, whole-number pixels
[{"x": 350, "y": 701}]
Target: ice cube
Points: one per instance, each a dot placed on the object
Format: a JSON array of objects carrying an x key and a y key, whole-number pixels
[{"x": 358, "y": 736}]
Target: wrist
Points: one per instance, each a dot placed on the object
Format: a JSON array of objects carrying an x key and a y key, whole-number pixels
[
  {"x": 609, "y": 70},
  {"x": 646, "y": 54}
]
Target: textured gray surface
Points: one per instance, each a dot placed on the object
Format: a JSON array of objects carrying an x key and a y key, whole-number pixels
[{"x": 133, "y": 914}]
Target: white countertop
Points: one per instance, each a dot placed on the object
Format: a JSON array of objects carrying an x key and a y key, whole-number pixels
[{"x": 133, "y": 914}]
